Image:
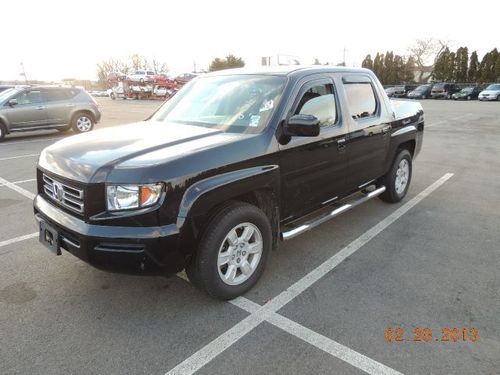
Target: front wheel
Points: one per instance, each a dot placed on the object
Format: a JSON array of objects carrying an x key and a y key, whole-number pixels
[
  {"x": 3, "y": 131},
  {"x": 397, "y": 180},
  {"x": 232, "y": 252},
  {"x": 82, "y": 123}
]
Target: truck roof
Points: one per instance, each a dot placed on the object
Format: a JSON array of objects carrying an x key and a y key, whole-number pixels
[{"x": 286, "y": 70}]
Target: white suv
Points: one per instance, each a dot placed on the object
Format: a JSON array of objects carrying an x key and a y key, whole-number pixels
[{"x": 142, "y": 76}]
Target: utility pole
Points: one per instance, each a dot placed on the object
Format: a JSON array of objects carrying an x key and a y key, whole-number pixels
[
  {"x": 344, "y": 57},
  {"x": 24, "y": 73}
]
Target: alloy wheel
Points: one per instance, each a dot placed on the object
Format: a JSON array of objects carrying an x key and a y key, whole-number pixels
[
  {"x": 402, "y": 176},
  {"x": 84, "y": 124},
  {"x": 240, "y": 254}
]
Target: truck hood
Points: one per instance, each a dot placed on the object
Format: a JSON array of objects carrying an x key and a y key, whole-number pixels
[{"x": 90, "y": 157}]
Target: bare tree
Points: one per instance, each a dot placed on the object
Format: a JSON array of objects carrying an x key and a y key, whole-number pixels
[{"x": 425, "y": 53}]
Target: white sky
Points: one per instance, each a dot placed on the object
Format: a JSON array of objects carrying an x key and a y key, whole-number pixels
[{"x": 65, "y": 39}]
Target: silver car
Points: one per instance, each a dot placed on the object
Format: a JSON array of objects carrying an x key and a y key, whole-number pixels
[
  {"x": 492, "y": 92},
  {"x": 42, "y": 108}
]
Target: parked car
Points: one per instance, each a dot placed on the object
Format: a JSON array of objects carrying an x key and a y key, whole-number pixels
[
  {"x": 185, "y": 78},
  {"x": 221, "y": 172},
  {"x": 142, "y": 76},
  {"x": 492, "y": 92},
  {"x": 390, "y": 91},
  {"x": 467, "y": 93},
  {"x": 444, "y": 90},
  {"x": 421, "y": 92},
  {"x": 41, "y": 108}
]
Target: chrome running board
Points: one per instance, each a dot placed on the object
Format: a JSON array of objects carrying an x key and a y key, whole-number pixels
[{"x": 339, "y": 208}]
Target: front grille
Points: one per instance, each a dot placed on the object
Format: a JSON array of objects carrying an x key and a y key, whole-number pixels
[{"x": 65, "y": 195}]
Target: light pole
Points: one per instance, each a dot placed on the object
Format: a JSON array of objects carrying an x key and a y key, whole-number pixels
[{"x": 23, "y": 73}]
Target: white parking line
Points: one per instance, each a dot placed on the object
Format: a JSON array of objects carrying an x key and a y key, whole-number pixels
[
  {"x": 3, "y": 144},
  {"x": 18, "y": 239},
  {"x": 20, "y": 182},
  {"x": 19, "y": 157},
  {"x": 221, "y": 343},
  {"x": 321, "y": 342},
  {"x": 20, "y": 190}
]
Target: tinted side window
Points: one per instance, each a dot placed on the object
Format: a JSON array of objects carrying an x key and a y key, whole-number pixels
[
  {"x": 29, "y": 97},
  {"x": 361, "y": 99},
  {"x": 319, "y": 101},
  {"x": 54, "y": 95}
]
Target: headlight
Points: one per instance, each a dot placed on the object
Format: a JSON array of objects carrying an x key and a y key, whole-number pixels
[{"x": 127, "y": 197}]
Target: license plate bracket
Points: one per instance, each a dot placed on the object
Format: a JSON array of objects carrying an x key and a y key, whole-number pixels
[{"x": 49, "y": 238}]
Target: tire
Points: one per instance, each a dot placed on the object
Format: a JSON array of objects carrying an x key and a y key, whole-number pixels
[
  {"x": 217, "y": 258},
  {"x": 498, "y": 98},
  {"x": 469, "y": 98},
  {"x": 402, "y": 167},
  {"x": 82, "y": 122},
  {"x": 112, "y": 96},
  {"x": 3, "y": 132}
]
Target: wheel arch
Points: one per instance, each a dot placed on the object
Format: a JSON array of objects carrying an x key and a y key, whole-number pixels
[
  {"x": 258, "y": 186},
  {"x": 82, "y": 111}
]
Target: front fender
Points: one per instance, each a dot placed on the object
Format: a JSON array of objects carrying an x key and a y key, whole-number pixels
[{"x": 205, "y": 194}]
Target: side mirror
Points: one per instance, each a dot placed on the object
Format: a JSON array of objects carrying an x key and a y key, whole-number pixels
[
  {"x": 12, "y": 102},
  {"x": 302, "y": 126}
]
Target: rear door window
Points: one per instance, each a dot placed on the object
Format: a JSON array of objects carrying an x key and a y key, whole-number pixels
[
  {"x": 54, "y": 95},
  {"x": 361, "y": 99}
]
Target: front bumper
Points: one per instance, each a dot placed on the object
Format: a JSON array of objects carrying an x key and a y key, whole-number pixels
[
  {"x": 133, "y": 250},
  {"x": 487, "y": 98}
]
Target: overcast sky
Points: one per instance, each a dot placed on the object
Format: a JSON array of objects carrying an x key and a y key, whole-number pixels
[{"x": 65, "y": 39}]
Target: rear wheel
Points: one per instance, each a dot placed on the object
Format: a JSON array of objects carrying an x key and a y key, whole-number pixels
[
  {"x": 397, "y": 180},
  {"x": 82, "y": 123},
  {"x": 232, "y": 251}
]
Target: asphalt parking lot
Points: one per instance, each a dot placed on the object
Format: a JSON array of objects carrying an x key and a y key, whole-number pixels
[{"x": 324, "y": 303}]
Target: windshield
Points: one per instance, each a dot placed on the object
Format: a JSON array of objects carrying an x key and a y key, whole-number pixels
[
  {"x": 233, "y": 103},
  {"x": 422, "y": 88},
  {"x": 7, "y": 93},
  {"x": 493, "y": 87}
]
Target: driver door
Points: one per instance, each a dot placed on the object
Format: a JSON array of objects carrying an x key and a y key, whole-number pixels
[
  {"x": 313, "y": 168},
  {"x": 28, "y": 112}
]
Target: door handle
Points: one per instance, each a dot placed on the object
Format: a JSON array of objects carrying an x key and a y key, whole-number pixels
[{"x": 341, "y": 144}]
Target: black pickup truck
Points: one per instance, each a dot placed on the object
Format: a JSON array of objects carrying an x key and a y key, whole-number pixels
[{"x": 235, "y": 162}]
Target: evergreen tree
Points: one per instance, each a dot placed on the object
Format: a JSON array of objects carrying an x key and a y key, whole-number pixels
[
  {"x": 367, "y": 62},
  {"x": 488, "y": 67},
  {"x": 451, "y": 67},
  {"x": 409, "y": 70},
  {"x": 378, "y": 66},
  {"x": 440, "y": 71},
  {"x": 472, "y": 73},
  {"x": 388, "y": 75},
  {"x": 461, "y": 64},
  {"x": 497, "y": 69}
]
